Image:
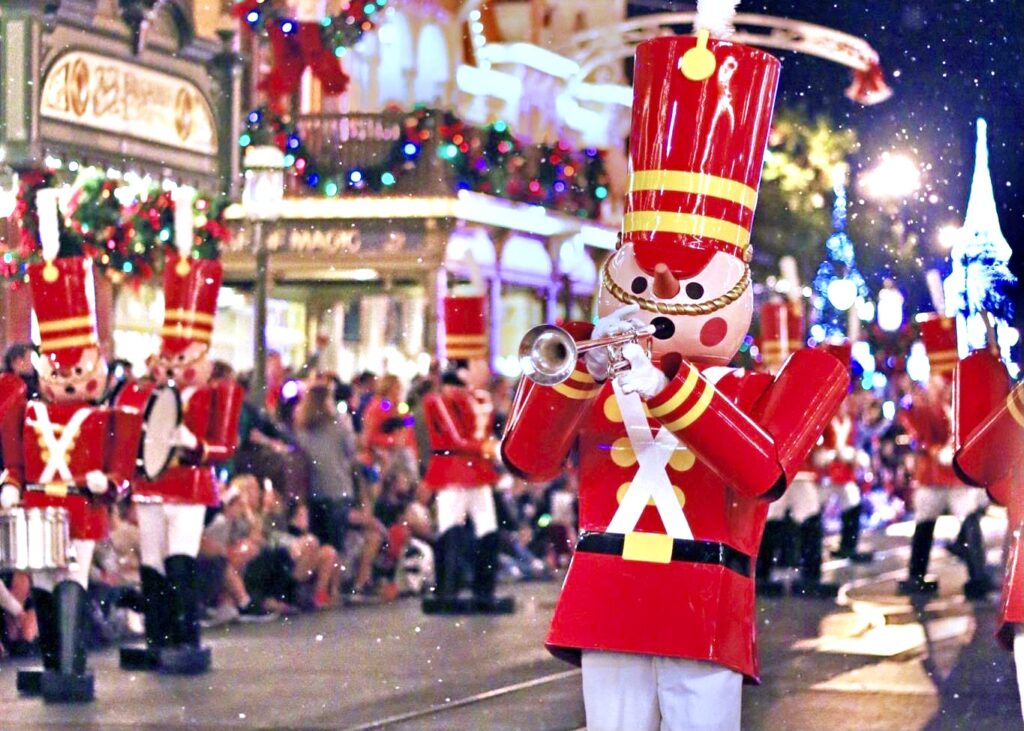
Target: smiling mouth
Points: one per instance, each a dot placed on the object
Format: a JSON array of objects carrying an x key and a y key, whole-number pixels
[{"x": 664, "y": 328}]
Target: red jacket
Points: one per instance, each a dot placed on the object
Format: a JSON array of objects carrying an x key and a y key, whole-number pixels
[
  {"x": 210, "y": 412},
  {"x": 990, "y": 453},
  {"x": 458, "y": 426},
  {"x": 55, "y": 445},
  {"x": 739, "y": 441},
  {"x": 929, "y": 423}
]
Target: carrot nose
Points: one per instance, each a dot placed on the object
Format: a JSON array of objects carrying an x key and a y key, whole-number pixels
[{"x": 666, "y": 286}]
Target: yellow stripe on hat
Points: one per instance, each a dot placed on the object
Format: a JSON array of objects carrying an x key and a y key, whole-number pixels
[
  {"x": 68, "y": 323},
  {"x": 943, "y": 355},
  {"x": 688, "y": 224},
  {"x": 679, "y": 181},
  {"x": 72, "y": 341},
  {"x": 464, "y": 352},
  {"x": 465, "y": 339},
  {"x": 187, "y": 333},
  {"x": 188, "y": 316}
]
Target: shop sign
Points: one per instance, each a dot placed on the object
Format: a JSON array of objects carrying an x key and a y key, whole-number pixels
[
  {"x": 125, "y": 99},
  {"x": 332, "y": 241}
]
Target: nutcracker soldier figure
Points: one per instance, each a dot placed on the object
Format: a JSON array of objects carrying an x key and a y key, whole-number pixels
[
  {"x": 929, "y": 422},
  {"x": 679, "y": 455},
  {"x": 172, "y": 507},
  {"x": 459, "y": 421},
  {"x": 64, "y": 451},
  {"x": 989, "y": 415}
]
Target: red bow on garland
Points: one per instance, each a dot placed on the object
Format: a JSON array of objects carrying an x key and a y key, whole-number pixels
[{"x": 296, "y": 50}]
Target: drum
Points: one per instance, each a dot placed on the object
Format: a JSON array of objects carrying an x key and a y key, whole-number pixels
[
  {"x": 32, "y": 539},
  {"x": 160, "y": 407}
]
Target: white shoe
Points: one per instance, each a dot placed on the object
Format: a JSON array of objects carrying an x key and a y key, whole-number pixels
[{"x": 224, "y": 614}]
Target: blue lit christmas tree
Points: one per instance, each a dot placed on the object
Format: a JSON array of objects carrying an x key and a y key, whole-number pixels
[
  {"x": 978, "y": 289},
  {"x": 838, "y": 284}
]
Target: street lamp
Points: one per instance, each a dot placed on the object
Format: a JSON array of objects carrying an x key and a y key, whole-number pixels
[
  {"x": 261, "y": 199},
  {"x": 894, "y": 178}
]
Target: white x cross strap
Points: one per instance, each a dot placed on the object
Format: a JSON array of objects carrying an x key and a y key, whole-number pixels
[
  {"x": 651, "y": 480},
  {"x": 57, "y": 464}
]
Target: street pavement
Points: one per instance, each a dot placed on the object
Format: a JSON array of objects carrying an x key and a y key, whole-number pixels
[{"x": 869, "y": 661}]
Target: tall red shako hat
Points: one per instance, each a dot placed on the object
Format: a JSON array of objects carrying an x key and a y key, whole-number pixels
[
  {"x": 63, "y": 292},
  {"x": 64, "y": 300},
  {"x": 465, "y": 327},
  {"x": 190, "y": 302},
  {"x": 938, "y": 333},
  {"x": 782, "y": 332},
  {"x": 702, "y": 112}
]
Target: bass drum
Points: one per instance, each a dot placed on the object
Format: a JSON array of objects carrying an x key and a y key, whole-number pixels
[
  {"x": 34, "y": 539},
  {"x": 160, "y": 407}
]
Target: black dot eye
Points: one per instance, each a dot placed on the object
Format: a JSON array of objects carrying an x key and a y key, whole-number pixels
[
  {"x": 639, "y": 285},
  {"x": 694, "y": 291},
  {"x": 78, "y": 371}
]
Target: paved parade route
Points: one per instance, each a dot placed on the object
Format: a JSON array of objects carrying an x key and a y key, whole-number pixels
[{"x": 870, "y": 662}]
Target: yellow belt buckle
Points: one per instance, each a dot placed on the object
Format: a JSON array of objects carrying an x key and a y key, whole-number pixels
[
  {"x": 56, "y": 489},
  {"x": 650, "y": 547}
]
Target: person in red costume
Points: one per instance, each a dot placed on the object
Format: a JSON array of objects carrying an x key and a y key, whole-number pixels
[
  {"x": 65, "y": 451},
  {"x": 459, "y": 420},
  {"x": 930, "y": 424},
  {"x": 679, "y": 455},
  {"x": 989, "y": 440},
  {"x": 172, "y": 507}
]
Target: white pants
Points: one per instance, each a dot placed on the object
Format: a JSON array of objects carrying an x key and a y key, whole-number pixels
[
  {"x": 626, "y": 692},
  {"x": 77, "y": 572},
  {"x": 454, "y": 504},
  {"x": 167, "y": 529},
  {"x": 931, "y": 502},
  {"x": 805, "y": 498}
]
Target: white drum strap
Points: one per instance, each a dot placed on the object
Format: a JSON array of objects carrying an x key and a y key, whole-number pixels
[
  {"x": 651, "y": 480},
  {"x": 57, "y": 464}
]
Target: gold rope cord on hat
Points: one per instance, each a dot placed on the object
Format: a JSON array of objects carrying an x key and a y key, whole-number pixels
[{"x": 678, "y": 308}]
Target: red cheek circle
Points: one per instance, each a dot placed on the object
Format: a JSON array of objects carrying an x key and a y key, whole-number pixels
[
  {"x": 713, "y": 332},
  {"x": 49, "y": 392},
  {"x": 92, "y": 385},
  {"x": 190, "y": 374}
]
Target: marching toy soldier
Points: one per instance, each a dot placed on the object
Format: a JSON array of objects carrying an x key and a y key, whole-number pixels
[
  {"x": 929, "y": 422},
  {"x": 990, "y": 453},
  {"x": 679, "y": 455},
  {"x": 172, "y": 507},
  {"x": 459, "y": 420},
  {"x": 66, "y": 452}
]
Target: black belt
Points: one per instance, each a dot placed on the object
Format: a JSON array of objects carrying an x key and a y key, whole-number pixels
[{"x": 682, "y": 550}]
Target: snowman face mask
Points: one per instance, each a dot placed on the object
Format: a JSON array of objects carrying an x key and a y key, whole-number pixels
[{"x": 705, "y": 322}]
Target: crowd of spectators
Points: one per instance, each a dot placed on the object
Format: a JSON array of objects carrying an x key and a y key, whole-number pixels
[{"x": 322, "y": 503}]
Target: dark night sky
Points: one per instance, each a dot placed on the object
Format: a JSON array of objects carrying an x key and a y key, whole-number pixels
[{"x": 948, "y": 63}]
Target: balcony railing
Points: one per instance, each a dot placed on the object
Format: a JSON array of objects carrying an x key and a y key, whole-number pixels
[{"x": 435, "y": 154}]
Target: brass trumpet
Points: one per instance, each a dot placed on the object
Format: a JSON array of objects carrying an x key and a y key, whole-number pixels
[{"x": 547, "y": 353}]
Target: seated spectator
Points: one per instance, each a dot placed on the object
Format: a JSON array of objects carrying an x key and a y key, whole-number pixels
[
  {"x": 315, "y": 563},
  {"x": 114, "y": 582},
  {"x": 229, "y": 543},
  {"x": 19, "y": 630}
]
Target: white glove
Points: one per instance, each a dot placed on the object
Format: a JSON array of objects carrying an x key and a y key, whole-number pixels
[
  {"x": 183, "y": 437},
  {"x": 10, "y": 496},
  {"x": 848, "y": 453},
  {"x": 945, "y": 456},
  {"x": 642, "y": 377},
  {"x": 597, "y": 360},
  {"x": 97, "y": 482}
]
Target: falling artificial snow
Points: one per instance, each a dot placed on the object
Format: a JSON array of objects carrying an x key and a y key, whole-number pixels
[
  {"x": 715, "y": 16},
  {"x": 981, "y": 279}
]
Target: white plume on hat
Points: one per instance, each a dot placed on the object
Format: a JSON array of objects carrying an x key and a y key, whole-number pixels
[{"x": 715, "y": 16}]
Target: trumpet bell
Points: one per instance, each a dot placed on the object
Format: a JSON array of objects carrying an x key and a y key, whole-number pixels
[{"x": 547, "y": 355}]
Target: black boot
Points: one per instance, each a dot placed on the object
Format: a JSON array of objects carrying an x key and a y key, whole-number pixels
[
  {"x": 156, "y": 607},
  {"x": 979, "y": 583},
  {"x": 920, "y": 551},
  {"x": 183, "y": 655},
  {"x": 69, "y": 682},
  {"x": 30, "y": 682},
  {"x": 444, "y": 599},
  {"x": 850, "y": 536},
  {"x": 485, "y": 578},
  {"x": 809, "y": 584},
  {"x": 789, "y": 542},
  {"x": 767, "y": 559}
]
